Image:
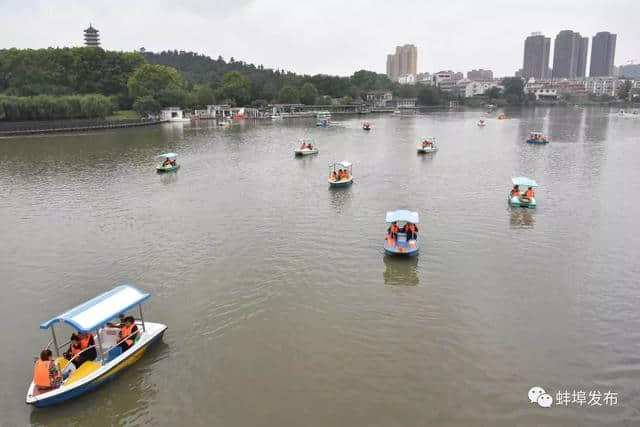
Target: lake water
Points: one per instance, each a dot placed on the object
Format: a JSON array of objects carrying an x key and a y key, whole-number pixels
[{"x": 282, "y": 309}]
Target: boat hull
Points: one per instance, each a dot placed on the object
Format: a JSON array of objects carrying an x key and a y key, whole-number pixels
[
  {"x": 516, "y": 202},
  {"x": 299, "y": 152},
  {"x": 162, "y": 169},
  {"x": 427, "y": 150},
  {"x": 533, "y": 141},
  {"x": 404, "y": 249},
  {"x": 106, "y": 373},
  {"x": 338, "y": 184}
]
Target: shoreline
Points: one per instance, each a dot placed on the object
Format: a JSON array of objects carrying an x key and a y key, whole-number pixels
[{"x": 33, "y": 128}]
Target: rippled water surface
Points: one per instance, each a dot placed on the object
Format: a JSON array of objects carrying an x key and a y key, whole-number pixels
[{"x": 282, "y": 309}]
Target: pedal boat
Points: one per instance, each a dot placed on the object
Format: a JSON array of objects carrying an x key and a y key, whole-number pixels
[
  {"x": 306, "y": 151},
  {"x": 333, "y": 167},
  {"x": 521, "y": 201},
  {"x": 537, "y": 138},
  {"x": 366, "y": 126},
  {"x": 428, "y": 145},
  {"x": 92, "y": 316},
  {"x": 401, "y": 245},
  {"x": 167, "y": 168}
]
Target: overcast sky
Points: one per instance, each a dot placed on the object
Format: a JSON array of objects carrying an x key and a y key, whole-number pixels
[{"x": 324, "y": 36}]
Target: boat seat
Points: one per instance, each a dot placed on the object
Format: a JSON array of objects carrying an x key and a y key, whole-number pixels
[
  {"x": 113, "y": 353},
  {"x": 85, "y": 369}
]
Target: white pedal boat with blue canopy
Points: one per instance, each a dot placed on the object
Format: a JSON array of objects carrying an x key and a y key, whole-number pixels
[
  {"x": 335, "y": 177},
  {"x": 427, "y": 145},
  {"x": 520, "y": 199},
  {"x": 402, "y": 243},
  {"x": 169, "y": 164},
  {"x": 92, "y": 317}
]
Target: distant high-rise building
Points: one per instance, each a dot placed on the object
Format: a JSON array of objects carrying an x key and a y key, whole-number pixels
[
  {"x": 91, "y": 37},
  {"x": 536, "y": 56},
  {"x": 480, "y": 74},
  {"x": 583, "y": 50},
  {"x": 603, "y": 53},
  {"x": 403, "y": 63},
  {"x": 569, "y": 50}
]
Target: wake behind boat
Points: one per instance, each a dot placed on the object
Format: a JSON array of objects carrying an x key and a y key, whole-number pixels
[{"x": 116, "y": 347}]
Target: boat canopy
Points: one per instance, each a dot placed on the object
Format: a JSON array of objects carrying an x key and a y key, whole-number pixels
[
  {"x": 168, "y": 155},
  {"x": 524, "y": 181},
  {"x": 403, "y": 215},
  {"x": 537, "y": 133},
  {"x": 99, "y": 310},
  {"x": 343, "y": 163}
]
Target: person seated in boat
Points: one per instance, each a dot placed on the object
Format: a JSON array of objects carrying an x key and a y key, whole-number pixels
[
  {"x": 411, "y": 230},
  {"x": 303, "y": 146},
  {"x": 166, "y": 162},
  {"x": 393, "y": 230},
  {"x": 310, "y": 146},
  {"x": 530, "y": 194},
  {"x": 515, "y": 191},
  {"x": 128, "y": 333},
  {"x": 345, "y": 175},
  {"x": 173, "y": 162},
  {"x": 81, "y": 349},
  {"x": 45, "y": 372}
]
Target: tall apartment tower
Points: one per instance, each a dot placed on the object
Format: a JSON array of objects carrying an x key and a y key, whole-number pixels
[
  {"x": 91, "y": 37},
  {"x": 603, "y": 53},
  {"x": 569, "y": 55},
  {"x": 403, "y": 62},
  {"x": 536, "y": 56}
]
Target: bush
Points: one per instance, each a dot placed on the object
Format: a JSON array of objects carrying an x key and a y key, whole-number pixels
[{"x": 46, "y": 107}]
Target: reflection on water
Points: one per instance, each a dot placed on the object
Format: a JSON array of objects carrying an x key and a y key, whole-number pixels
[
  {"x": 522, "y": 217},
  {"x": 169, "y": 178},
  {"x": 340, "y": 197},
  {"x": 401, "y": 270}
]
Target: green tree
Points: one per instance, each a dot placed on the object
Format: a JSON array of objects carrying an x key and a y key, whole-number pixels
[
  {"x": 513, "y": 90},
  {"x": 235, "y": 88},
  {"x": 146, "y": 105},
  {"x": 151, "y": 80},
  {"x": 493, "y": 93},
  {"x": 203, "y": 95},
  {"x": 308, "y": 93},
  {"x": 345, "y": 100},
  {"x": 428, "y": 96},
  {"x": 289, "y": 95},
  {"x": 323, "y": 100}
]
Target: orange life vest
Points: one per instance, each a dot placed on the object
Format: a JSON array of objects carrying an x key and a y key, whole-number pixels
[
  {"x": 41, "y": 375},
  {"x": 394, "y": 229},
  {"x": 530, "y": 194},
  {"x": 125, "y": 331}
]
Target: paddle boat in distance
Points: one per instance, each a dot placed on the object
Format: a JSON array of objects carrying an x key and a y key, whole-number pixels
[
  {"x": 403, "y": 242},
  {"x": 306, "y": 148},
  {"x": 396, "y": 113},
  {"x": 518, "y": 198},
  {"x": 482, "y": 123},
  {"x": 337, "y": 180},
  {"x": 501, "y": 116},
  {"x": 427, "y": 145},
  {"x": 323, "y": 119},
  {"x": 169, "y": 164},
  {"x": 366, "y": 126},
  {"x": 537, "y": 138},
  {"x": 94, "y": 316}
]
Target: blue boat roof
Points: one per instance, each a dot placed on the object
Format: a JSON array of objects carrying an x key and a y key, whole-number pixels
[
  {"x": 524, "y": 181},
  {"x": 96, "y": 312},
  {"x": 403, "y": 215}
]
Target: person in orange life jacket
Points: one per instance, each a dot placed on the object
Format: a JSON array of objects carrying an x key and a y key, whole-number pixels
[
  {"x": 45, "y": 372},
  {"x": 530, "y": 194},
  {"x": 82, "y": 346},
  {"x": 411, "y": 230},
  {"x": 128, "y": 333},
  {"x": 393, "y": 230},
  {"x": 515, "y": 191}
]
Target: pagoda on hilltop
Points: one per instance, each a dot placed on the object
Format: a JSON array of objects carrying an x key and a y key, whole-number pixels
[{"x": 91, "y": 37}]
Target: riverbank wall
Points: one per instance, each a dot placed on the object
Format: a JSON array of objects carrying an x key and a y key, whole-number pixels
[{"x": 53, "y": 126}]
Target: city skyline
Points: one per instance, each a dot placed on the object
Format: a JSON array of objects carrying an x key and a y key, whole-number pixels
[{"x": 454, "y": 37}]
